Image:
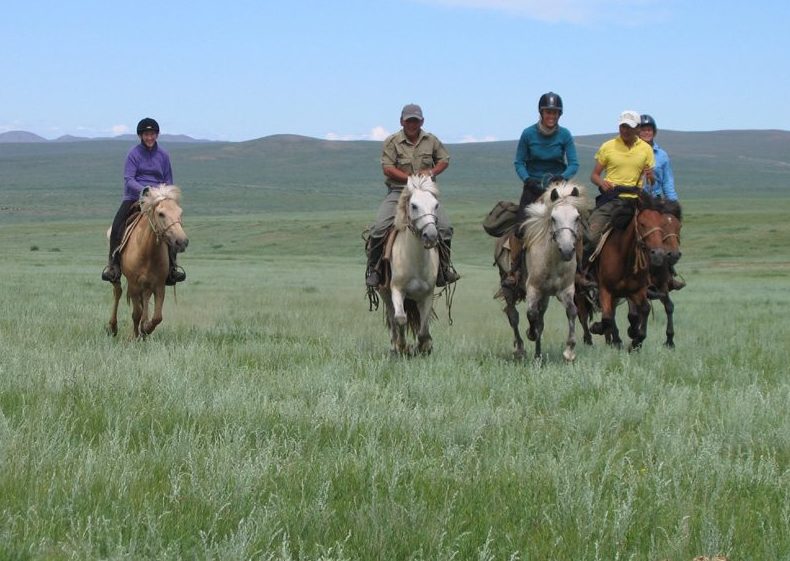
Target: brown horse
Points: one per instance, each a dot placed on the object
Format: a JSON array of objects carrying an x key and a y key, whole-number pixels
[
  {"x": 144, "y": 257},
  {"x": 622, "y": 270},
  {"x": 661, "y": 275}
]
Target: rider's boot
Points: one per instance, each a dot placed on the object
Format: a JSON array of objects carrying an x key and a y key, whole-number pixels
[
  {"x": 447, "y": 273},
  {"x": 375, "y": 251},
  {"x": 674, "y": 282},
  {"x": 176, "y": 273},
  {"x": 516, "y": 257},
  {"x": 112, "y": 272}
]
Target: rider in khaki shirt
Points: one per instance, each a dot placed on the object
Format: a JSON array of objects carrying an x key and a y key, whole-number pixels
[{"x": 407, "y": 152}]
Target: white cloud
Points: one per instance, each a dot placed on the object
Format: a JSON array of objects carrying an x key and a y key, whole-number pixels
[
  {"x": 119, "y": 129},
  {"x": 472, "y": 138},
  {"x": 376, "y": 133},
  {"x": 567, "y": 11},
  {"x": 379, "y": 133}
]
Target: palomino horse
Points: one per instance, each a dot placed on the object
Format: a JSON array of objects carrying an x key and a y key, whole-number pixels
[
  {"x": 552, "y": 235},
  {"x": 622, "y": 270},
  {"x": 414, "y": 264},
  {"x": 144, "y": 257}
]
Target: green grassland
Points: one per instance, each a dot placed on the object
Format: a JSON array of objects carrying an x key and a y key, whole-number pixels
[{"x": 264, "y": 418}]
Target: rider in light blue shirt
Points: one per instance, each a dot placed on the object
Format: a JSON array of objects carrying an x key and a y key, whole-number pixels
[{"x": 664, "y": 186}]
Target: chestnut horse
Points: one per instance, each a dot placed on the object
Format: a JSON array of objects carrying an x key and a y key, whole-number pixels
[
  {"x": 661, "y": 275},
  {"x": 144, "y": 257},
  {"x": 622, "y": 270}
]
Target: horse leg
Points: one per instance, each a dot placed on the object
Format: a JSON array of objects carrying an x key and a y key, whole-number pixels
[
  {"x": 567, "y": 298},
  {"x": 112, "y": 325},
  {"x": 512, "y": 317},
  {"x": 424, "y": 340},
  {"x": 399, "y": 313},
  {"x": 606, "y": 326},
  {"x": 536, "y": 308},
  {"x": 137, "y": 314},
  {"x": 399, "y": 321},
  {"x": 583, "y": 314},
  {"x": 159, "y": 300},
  {"x": 669, "y": 308},
  {"x": 637, "y": 318}
]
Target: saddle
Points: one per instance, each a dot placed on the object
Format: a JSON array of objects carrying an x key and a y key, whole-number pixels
[{"x": 135, "y": 214}]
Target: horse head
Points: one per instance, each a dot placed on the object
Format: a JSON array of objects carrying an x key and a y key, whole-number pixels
[
  {"x": 671, "y": 226},
  {"x": 417, "y": 209},
  {"x": 557, "y": 215},
  {"x": 650, "y": 235},
  {"x": 161, "y": 207}
]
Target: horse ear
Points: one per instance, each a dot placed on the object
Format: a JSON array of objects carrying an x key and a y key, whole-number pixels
[
  {"x": 144, "y": 192},
  {"x": 554, "y": 195},
  {"x": 575, "y": 192}
]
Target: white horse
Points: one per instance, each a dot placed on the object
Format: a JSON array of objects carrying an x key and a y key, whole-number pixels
[
  {"x": 552, "y": 242},
  {"x": 414, "y": 264}
]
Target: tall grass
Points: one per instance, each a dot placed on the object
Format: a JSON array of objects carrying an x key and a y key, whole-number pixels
[{"x": 264, "y": 418}]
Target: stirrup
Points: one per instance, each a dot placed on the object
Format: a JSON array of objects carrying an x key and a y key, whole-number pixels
[
  {"x": 372, "y": 280},
  {"x": 111, "y": 273},
  {"x": 176, "y": 274}
]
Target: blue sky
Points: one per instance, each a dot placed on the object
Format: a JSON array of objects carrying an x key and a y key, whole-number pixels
[{"x": 239, "y": 70}]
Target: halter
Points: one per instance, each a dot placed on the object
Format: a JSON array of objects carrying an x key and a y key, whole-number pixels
[
  {"x": 159, "y": 233},
  {"x": 641, "y": 246},
  {"x": 573, "y": 231},
  {"x": 418, "y": 232}
]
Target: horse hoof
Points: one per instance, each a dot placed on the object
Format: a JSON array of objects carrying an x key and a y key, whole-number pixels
[
  {"x": 400, "y": 320},
  {"x": 587, "y": 340},
  {"x": 569, "y": 356},
  {"x": 596, "y": 328},
  {"x": 112, "y": 330},
  {"x": 669, "y": 345},
  {"x": 519, "y": 354}
]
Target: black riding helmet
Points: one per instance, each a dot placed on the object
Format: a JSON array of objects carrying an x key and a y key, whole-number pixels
[
  {"x": 147, "y": 124},
  {"x": 550, "y": 100},
  {"x": 647, "y": 121}
]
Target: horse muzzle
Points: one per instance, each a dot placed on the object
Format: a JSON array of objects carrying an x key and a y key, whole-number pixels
[
  {"x": 429, "y": 236},
  {"x": 673, "y": 256},
  {"x": 657, "y": 256},
  {"x": 180, "y": 244}
]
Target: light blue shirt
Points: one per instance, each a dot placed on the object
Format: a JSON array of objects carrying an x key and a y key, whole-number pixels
[{"x": 664, "y": 187}]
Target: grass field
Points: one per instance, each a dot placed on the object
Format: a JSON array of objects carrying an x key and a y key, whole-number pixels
[{"x": 264, "y": 418}]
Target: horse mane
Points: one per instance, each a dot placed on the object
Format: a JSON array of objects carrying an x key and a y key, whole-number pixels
[
  {"x": 537, "y": 226},
  {"x": 664, "y": 206},
  {"x": 415, "y": 183},
  {"x": 154, "y": 195}
]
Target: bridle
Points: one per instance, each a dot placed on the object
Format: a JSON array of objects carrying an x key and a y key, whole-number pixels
[
  {"x": 160, "y": 233},
  {"x": 574, "y": 232}
]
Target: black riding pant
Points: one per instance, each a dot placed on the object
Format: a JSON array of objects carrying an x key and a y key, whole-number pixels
[{"x": 118, "y": 225}]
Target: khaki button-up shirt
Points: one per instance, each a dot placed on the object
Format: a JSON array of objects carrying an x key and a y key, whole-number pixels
[{"x": 410, "y": 157}]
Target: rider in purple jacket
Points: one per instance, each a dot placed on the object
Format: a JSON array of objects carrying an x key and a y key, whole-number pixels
[{"x": 147, "y": 165}]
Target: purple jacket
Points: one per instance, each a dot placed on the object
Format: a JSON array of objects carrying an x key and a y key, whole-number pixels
[{"x": 145, "y": 168}]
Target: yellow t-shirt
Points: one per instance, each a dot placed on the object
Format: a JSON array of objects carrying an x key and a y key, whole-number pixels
[{"x": 623, "y": 165}]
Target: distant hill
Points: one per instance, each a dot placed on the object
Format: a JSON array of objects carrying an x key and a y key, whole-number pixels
[
  {"x": 21, "y": 136},
  {"x": 284, "y": 172},
  {"x": 12, "y": 137}
]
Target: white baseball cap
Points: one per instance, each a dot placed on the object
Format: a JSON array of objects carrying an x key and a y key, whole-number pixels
[{"x": 630, "y": 118}]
